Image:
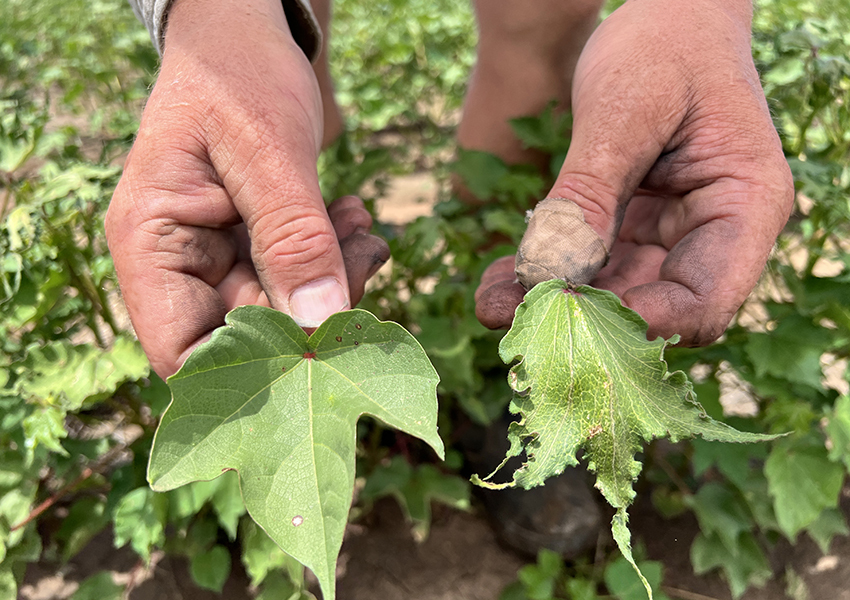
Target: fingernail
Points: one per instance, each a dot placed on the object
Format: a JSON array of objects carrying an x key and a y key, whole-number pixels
[{"x": 314, "y": 302}]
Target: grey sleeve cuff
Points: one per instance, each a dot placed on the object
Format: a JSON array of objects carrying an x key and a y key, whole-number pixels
[{"x": 299, "y": 14}]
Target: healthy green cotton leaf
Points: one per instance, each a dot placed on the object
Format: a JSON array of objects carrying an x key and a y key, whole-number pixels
[
  {"x": 829, "y": 524},
  {"x": 415, "y": 488},
  {"x": 743, "y": 566},
  {"x": 587, "y": 379},
  {"x": 211, "y": 569},
  {"x": 802, "y": 482},
  {"x": 140, "y": 521},
  {"x": 99, "y": 587},
  {"x": 81, "y": 373},
  {"x": 838, "y": 430},
  {"x": 263, "y": 399}
]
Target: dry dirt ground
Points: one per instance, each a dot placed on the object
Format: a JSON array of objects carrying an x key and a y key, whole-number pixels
[{"x": 461, "y": 559}]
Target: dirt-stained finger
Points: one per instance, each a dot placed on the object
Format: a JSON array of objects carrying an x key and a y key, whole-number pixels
[
  {"x": 501, "y": 269},
  {"x": 348, "y": 215},
  {"x": 363, "y": 254},
  {"x": 497, "y": 304}
]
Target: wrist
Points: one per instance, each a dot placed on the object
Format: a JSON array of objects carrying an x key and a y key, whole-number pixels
[
  {"x": 208, "y": 21},
  {"x": 740, "y": 11}
]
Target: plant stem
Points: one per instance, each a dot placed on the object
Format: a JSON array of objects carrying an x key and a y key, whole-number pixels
[
  {"x": 101, "y": 462},
  {"x": 7, "y": 196},
  {"x": 672, "y": 474},
  {"x": 34, "y": 514}
]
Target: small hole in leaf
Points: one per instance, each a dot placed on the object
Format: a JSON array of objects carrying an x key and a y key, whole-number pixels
[
  {"x": 356, "y": 343},
  {"x": 297, "y": 520},
  {"x": 339, "y": 338},
  {"x": 358, "y": 326}
]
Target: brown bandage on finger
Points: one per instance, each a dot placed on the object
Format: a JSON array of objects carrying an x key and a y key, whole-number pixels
[{"x": 559, "y": 244}]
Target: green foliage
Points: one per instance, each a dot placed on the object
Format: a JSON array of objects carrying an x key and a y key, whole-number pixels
[
  {"x": 624, "y": 583},
  {"x": 211, "y": 568},
  {"x": 411, "y": 75},
  {"x": 415, "y": 488},
  {"x": 78, "y": 406},
  {"x": 551, "y": 579},
  {"x": 140, "y": 521},
  {"x": 99, "y": 586},
  {"x": 803, "y": 483},
  {"x": 537, "y": 582}
]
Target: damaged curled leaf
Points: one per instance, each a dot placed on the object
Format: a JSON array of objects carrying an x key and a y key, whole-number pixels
[{"x": 588, "y": 379}]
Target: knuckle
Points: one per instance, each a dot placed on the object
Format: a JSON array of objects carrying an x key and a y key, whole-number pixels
[
  {"x": 296, "y": 242},
  {"x": 709, "y": 331},
  {"x": 597, "y": 198}
]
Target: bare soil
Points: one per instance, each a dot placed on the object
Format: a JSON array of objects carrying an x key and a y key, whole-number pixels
[{"x": 460, "y": 560}]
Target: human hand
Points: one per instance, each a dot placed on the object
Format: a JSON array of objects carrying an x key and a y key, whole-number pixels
[
  {"x": 675, "y": 166},
  {"x": 219, "y": 204}
]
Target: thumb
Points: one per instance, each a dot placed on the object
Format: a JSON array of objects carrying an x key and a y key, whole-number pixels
[
  {"x": 621, "y": 126},
  {"x": 293, "y": 244}
]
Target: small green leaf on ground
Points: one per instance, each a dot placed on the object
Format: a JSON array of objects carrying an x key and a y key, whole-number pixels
[
  {"x": 838, "y": 431},
  {"x": 722, "y": 512},
  {"x": 414, "y": 488},
  {"x": 227, "y": 503},
  {"x": 262, "y": 557},
  {"x": 802, "y": 482},
  {"x": 587, "y": 378},
  {"x": 210, "y": 569},
  {"x": 99, "y": 587},
  {"x": 623, "y": 583},
  {"x": 140, "y": 521},
  {"x": 829, "y": 524},
  {"x": 278, "y": 587},
  {"x": 743, "y": 566},
  {"x": 263, "y": 399},
  {"x": 581, "y": 589}
]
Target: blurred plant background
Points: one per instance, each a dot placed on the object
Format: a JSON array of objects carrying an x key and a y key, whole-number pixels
[{"x": 78, "y": 403}]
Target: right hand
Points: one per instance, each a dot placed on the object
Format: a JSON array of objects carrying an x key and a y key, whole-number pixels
[
  {"x": 674, "y": 172},
  {"x": 219, "y": 204}
]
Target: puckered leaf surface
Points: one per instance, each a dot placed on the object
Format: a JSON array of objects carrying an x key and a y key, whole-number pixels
[
  {"x": 280, "y": 408},
  {"x": 587, "y": 378}
]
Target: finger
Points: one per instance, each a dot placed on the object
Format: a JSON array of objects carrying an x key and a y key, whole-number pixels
[
  {"x": 501, "y": 269},
  {"x": 496, "y": 306},
  {"x": 362, "y": 253},
  {"x": 498, "y": 295},
  {"x": 631, "y": 265},
  {"x": 274, "y": 185},
  {"x": 170, "y": 232},
  {"x": 724, "y": 236},
  {"x": 348, "y": 215}
]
